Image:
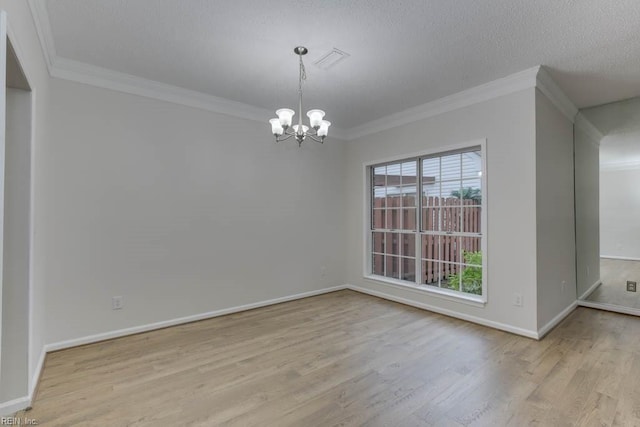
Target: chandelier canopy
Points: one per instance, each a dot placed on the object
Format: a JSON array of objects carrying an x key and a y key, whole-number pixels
[{"x": 281, "y": 126}]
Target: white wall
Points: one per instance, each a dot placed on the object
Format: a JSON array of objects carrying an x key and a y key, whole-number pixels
[
  {"x": 619, "y": 213},
  {"x": 15, "y": 290},
  {"x": 508, "y": 124},
  {"x": 587, "y": 210},
  {"x": 556, "y": 271},
  {"x": 180, "y": 211}
]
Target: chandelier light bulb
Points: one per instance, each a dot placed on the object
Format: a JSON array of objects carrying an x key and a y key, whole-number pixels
[
  {"x": 315, "y": 118},
  {"x": 285, "y": 115},
  {"x": 324, "y": 128},
  {"x": 276, "y": 127}
]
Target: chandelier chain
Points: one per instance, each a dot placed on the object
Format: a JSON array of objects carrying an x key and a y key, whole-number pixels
[{"x": 303, "y": 74}]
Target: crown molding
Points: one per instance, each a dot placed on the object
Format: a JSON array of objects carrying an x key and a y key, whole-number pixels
[
  {"x": 81, "y": 72},
  {"x": 582, "y": 123},
  {"x": 537, "y": 77},
  {"x": 504, "y": 86},
  {"x": 76, "y": 71},
  {"x": 41, "y": 21},
  {"x": 547, "y": 86},
  {"x": 108, "y": 79}
]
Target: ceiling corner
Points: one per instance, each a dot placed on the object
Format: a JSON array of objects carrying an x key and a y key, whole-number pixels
[
  {"x": 587, "y": 127},
  {"x": 556, "y": 95},
  {"x": 43, "y": 28}
]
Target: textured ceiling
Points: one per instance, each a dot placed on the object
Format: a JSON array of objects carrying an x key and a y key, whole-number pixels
[{"x": 403, "y": 52}]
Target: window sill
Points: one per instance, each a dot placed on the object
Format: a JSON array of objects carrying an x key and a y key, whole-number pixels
[{"x": 476, "y": 301}]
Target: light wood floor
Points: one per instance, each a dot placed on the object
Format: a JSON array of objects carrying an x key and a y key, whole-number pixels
[
  {"x": 614, "y": 274},
  {"x": 349, "y": 359}
]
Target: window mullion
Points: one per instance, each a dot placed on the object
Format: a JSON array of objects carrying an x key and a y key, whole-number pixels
[
  {"x": 400, "y": 220},
  {"x": 372, "y": 197},
  {"x": 386, "y": 200},
  {"x": 418, "y": 238},
  {"x": 440, "y": 248},
  {"x": 460, "y": 226}
]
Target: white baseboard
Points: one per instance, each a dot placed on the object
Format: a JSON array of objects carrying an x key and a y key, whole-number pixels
[
  {"x": 484, "y": 322},
  {"x": 36, "y": 375},
  {"x": 623, "y": 258},
  {"x": 172, "y": 322},
  {"x": 610, "y": 307},
  {"x": 559, "y": 318},
  {"x": 589, "y": 291},
  {"x": 11, "y": 407}
]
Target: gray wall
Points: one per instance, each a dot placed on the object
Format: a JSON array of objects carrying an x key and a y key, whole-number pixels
[
  {"x": 180, "y": 211},
  {"x": 619, "y": 212},
  {"x": 556, "y": 276},
  {"x": 587, "y": 210},
  {"x": 15, "y": 301}
]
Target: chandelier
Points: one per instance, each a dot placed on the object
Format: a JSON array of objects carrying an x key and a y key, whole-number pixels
[{"x": 281, "y": 127}]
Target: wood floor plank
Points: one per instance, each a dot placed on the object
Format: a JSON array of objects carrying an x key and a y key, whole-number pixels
[{"x": 348, "y": 359}]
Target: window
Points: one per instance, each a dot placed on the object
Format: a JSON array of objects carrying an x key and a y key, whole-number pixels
[{"x": 426, "y": 221}]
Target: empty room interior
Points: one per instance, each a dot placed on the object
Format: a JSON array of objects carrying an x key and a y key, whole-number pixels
[{"x": 319, "y": 213}]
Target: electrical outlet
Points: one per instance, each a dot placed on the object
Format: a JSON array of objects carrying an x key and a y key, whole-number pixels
[
  {"x": 117, "y": 303},
  {"x": 323, "y": 271},
  {"x": 631, "y": 286},
  {"x": 517, "y": 299},
  {"x": 563, "y": 286}
]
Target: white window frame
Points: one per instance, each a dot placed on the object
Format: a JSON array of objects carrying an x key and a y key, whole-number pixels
[{"x": 447, "y": 294}]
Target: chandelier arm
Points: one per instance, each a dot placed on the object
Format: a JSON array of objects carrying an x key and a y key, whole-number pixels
[
  {"x": 280, "y": 139},
  {"x": 316, "y": 139}
]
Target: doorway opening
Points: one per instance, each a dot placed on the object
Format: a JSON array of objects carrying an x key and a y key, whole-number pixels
[
  {"x": 612, "y": 201},
  {"x": 16, "y": 235}
]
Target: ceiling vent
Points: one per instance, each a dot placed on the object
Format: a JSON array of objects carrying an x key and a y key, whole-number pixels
[{"x": 331, "y": 59}]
